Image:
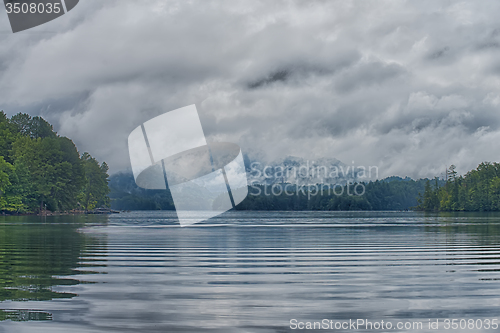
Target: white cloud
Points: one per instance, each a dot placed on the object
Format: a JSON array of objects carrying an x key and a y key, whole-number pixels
[{"x": 408, "y": 86}]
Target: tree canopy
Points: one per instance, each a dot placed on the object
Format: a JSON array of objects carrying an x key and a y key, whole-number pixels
[
  {"x": 477, "y": 190},
  {"x": 40, "y": 169}
]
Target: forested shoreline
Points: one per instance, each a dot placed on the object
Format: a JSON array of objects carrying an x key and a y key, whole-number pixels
[
  {"x": 477, "y": 190},
  {"x": 393, "y": 193},
  {"x": 41, "y": 170}
]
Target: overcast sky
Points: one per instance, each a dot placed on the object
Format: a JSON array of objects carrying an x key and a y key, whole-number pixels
[{"x": 408, "y": 86}]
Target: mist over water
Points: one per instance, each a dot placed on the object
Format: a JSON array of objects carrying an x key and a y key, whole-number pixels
[{"x": 245, "y": 271}]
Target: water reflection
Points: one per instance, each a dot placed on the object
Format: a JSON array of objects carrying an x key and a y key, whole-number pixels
[
  {"x": 482, "y": 228},
  {"x": 252, "y": 271},
  {"x": 41, "y": 256},
  {"x": 24, "y": 315}
]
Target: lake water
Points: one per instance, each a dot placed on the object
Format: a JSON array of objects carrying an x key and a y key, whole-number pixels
[{"x": 248, "y": 271}]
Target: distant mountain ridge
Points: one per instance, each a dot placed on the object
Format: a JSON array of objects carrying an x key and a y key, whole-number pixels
[
  {"x": 300, "y": 171},
  {"x": 291, "y": 169},
  {"x": 125, "y": 194}
]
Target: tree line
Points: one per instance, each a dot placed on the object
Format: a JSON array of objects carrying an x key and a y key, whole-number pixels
[
  {"x": 392, "y": 193},
  {"x": 477, "y": 190},
  {"x": 41, "y": 170}
]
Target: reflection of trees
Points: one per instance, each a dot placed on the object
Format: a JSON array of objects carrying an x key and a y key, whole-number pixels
[
  {"x": 36, "y": 257},
  {"x": 483, "y": 228}
]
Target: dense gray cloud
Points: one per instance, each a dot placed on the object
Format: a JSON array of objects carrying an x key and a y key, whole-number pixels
[{"x": 408, "y": 86}]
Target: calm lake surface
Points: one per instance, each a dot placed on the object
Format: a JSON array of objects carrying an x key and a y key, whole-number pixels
[{"x": 246, "y": 271}]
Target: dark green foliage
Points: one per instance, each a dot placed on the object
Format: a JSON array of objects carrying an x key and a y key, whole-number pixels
[
  {"x": 95, "y": 189},
  {"x": 45, "y": 170},
  {"x": 35, "y": 127},
  {"x": 393, "y": 193},
  {"x": 7, "y": 136},
  {"x": 478, "y": 190},
  {"x": 39, "y": 257}
]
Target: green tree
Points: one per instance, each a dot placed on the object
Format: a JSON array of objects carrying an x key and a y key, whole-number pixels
[
  {"x": 95, "y": 189},
  {"x": 7, "y": 136},
  {"x": 41, "y": 169},
  {"x": 5, "y": 169},
  {"x": 35, "y": 127},
  {"x": 478, "y": 190}
]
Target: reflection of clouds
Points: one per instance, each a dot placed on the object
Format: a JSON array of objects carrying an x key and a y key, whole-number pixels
[
  {"x": 257, "y": 270},
  {"x": 409, "y": 88}
]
